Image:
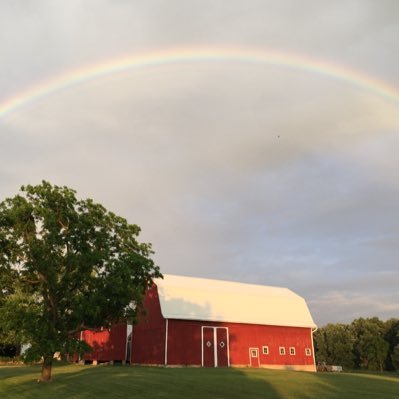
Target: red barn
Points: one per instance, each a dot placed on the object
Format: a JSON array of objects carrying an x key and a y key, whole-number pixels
[{"x": 213, "y": 323}]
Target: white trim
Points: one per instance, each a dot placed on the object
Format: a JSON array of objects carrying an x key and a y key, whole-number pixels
[
  {"x": 202, "y": 346},
  {"x": 250, "y": 356},
  {"x": 227, "y": 342},
  {"x": 127, "y": 340},
  {"x": 292, "y": 351},
  {"x": 312, "y": 331},
  {"x": 166, "y": 342},
  {"x": 215, "y": 347},
  {"x": 283, "y": 350},
  {"x": 267, "y": 350},
  {"x": 131, "y": 346},
  {"x": 228, "y": 346}
]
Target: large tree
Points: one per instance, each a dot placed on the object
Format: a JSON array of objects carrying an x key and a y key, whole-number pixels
[
  {"x": 391, "y": 335},
  {"x": 334, "y": 345},
  {"x": 66, "y": 265},
  {"x": 370, "y": 348}
]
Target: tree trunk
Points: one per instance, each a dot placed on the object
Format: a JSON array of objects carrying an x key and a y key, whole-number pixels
[{"x": 46, "y": 368}]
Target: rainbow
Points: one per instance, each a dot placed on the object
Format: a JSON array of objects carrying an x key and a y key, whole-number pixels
[{"x": 195, "y": 55}]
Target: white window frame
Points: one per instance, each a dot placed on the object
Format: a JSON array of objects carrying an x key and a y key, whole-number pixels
[
  {"x": 292, "y": 350},
  {"x": 308, "y": 352},
  {"x": 281, "y": 350},
  {"x": 265, "y": 350}
]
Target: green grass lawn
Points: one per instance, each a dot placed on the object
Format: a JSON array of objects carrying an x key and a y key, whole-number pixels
[{"x": 73, "y": 381}]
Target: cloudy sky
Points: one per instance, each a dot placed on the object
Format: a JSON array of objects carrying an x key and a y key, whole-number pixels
[{"x": 237, "y": 170}]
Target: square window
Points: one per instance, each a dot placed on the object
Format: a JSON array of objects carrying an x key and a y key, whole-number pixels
[
  {"x": 282, "y": 350},
  {"x": 292, "y": 350},
  {"x": 254, "y": 353},
  {"x": 265, "y": 350},
  {"x": 308, "y": 352}
]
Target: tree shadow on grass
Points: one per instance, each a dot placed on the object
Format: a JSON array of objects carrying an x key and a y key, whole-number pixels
[
  {"x": 7, "y": 372},
  {"x": 22, "y": 381},
  {"x": 142, "y": 382}
]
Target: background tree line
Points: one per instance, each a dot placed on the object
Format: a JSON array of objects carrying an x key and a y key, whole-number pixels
[{"x": 369, "y": 344}]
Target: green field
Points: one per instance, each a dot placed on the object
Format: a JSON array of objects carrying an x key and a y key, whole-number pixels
[{"x": 73, "y": 381}]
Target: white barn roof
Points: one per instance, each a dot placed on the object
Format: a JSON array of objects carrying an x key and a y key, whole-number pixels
[{"x": 191, "y": 298}]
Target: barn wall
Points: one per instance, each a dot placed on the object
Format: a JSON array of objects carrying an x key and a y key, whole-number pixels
[
  {"x": 184, "y": 344},
  {"x": 107, "y": 344},
  {"x": 243, "y": 337},
  {"x": 148, "y": 342}
]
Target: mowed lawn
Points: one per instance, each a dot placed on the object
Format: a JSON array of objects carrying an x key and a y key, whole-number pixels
[{"x": 75, "y": 381}]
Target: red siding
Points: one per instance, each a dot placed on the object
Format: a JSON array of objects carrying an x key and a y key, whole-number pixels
[
  {"x": 184, "y": 346},
  {"x": 148, "y": 342},
  {"x": 222, "y": 347},
  {"x": 184, "y": 343},
  {"x": 108, "y": 344},
  {"x": 243, "y": 337},
  {"x": 208, "y": 351}
]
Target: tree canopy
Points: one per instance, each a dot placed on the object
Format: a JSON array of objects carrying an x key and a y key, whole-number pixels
[
  {"x": 369, "y": 344},
  {"x": 66, "y": 265}
]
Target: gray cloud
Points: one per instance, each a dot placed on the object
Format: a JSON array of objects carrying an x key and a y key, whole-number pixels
[{"x": 245, "y": 172}]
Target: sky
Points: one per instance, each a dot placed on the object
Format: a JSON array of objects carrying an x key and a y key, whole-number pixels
[{"x": 236, "y": 168}]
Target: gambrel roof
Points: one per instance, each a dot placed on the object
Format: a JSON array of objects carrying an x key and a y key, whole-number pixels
[{"x": 190, "y": 298}]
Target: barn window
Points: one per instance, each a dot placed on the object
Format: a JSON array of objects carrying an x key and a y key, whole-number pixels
[
  {"x": 308, "y": 352},
  {"x": 282, "y": 350},
  {"x": 265, "y": 350},
  {"x": 292, "y": 350}
]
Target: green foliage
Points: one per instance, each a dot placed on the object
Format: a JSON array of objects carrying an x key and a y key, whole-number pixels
[
  {"x": 368, "y": 344},
  {"x": 395, "y": 357},
  {"x": 391, "y": 335},
  {"x": 370, "y": 348},
  {"x": 334, "y": 345},
  {"x": 66, "y": 265}
]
